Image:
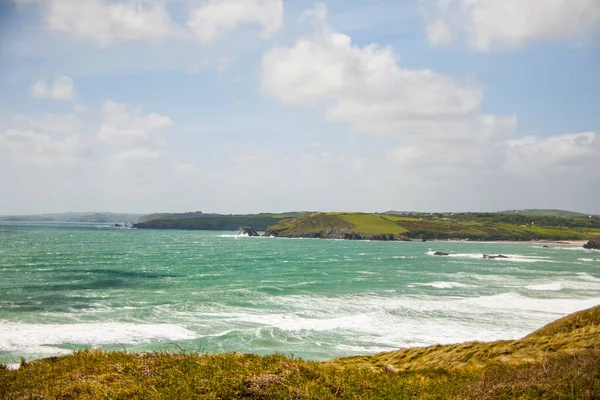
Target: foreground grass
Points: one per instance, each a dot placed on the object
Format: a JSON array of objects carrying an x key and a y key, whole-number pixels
[
  {"x": 96, "y": 375},
  {"x": 559, "y": 361}
]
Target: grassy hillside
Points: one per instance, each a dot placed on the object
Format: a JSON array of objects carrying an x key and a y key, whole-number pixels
[
  {"x": 339, "y": 226},
  {"x": 481, "y": 226},
  {"x": 559, "y": 361},
  {"x": 535, "y": 212}
]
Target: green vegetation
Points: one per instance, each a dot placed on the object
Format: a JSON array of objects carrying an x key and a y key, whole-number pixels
[
  {"x": 373, "y": 224},
  {"x": 471, "y": 226},
  {"x": 559, "y": 361},
  {"x": 535, "y": 212},
  {"x": 339, "y": 226},
  {"x": 200, "y": 221}
]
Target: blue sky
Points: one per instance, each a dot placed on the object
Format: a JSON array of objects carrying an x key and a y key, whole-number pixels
[{"x": 270, "y": 105}]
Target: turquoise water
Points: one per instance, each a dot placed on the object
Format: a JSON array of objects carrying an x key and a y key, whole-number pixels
[{"x": 69, "y": 286}]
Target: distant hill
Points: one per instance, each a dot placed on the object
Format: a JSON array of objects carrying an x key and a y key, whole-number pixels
[
  {"x": 200, "y": 214},
  {"x": 535, "y": 212},
  {"x": 94, "y": 217},
  {"x": 469, "y": 226}
]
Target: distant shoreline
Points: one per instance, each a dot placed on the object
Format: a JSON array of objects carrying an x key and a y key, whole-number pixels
[{"x": 553, "y": 242}]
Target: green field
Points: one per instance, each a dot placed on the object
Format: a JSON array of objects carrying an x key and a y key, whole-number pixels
[
  {"x": 373, "y": 224},
  {"x": 559, "y": 361}
]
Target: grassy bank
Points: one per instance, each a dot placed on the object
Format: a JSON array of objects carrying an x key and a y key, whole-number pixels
[{"x": 559, "y": 361}]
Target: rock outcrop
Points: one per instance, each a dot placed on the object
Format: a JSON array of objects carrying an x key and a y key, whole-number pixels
[
  {"x": 593, "y": 243},
  {"x": 489, "y": 257},
  {"x": 440, "y": 253},
  {"x": 248, "y": 230}
]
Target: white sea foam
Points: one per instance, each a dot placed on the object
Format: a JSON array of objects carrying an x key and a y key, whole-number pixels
[
  {"x": 444, "y": 285},
  {"x": 555, "y": 286},
  {"x": 509, "y": 257},
  {"x": 43, "y": 338},
  {"x": 229, "y": 235},
  {"x": 589, "y": 259},
  {"x": 587, "y": 277},
  {"x": 381, "y": 321}
]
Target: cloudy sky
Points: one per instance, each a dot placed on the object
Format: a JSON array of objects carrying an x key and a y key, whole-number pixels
[{"x": 270, "y": 105}]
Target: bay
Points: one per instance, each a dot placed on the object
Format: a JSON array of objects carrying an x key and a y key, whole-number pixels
[{"x": 67, "y": 286}]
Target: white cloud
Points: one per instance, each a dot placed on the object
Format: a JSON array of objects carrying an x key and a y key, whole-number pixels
[
  {"x": 60, "y": 89},
  {"x": 490, "y": 24},
  {"x": 124, "y": 125},
  {"x": 365, "y": 88},
  {"x": 438, "y": 32},
  {"x": 55, "y": 123},
  {"x": 567, "y": 152},
  {"x": 404, "y": 155},
  {"x": 136, "y": 156},
  {"x": 26, "y": 147},
  {"x": 210, "y": 19},
  {"x": 108, "y": 22}
]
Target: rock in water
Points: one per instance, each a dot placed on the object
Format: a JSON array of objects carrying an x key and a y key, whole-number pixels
[
  {"x": 247, "y": 230},
  {"x": 593, "y": 243},
  {"x": 440, "y": 253},
  {"x": 494, "y": 257}
]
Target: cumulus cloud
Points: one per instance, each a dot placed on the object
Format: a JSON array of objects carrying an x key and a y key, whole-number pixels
[
  {"x": 212, "y": 18},
  {"x": 366, "y": 88},
  {"x": 62, "y": 88},
  {"x": 27, "y": 147},
  {"x": 128, "y": 126},
  {"x": 505, "y": 24},
  {"x": 54, "y": 123},
  {"x": 575, "y": 152},
  {"x": 136, "y": 156},
  {"x": 108, "y": 22},
  {"x": 445, "y": 143}
]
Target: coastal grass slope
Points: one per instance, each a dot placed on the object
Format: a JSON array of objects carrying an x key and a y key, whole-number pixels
[
  {"x": 559, "y": 361},
  {"x": 572, "y": 334}
]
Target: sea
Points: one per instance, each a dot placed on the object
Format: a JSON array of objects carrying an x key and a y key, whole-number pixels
[{"x": 70, "y": 286}]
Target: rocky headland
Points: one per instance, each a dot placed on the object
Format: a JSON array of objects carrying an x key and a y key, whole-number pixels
[{"x": 593, "y": 243}]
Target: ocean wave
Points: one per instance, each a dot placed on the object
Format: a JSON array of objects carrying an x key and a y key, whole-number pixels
[
  {"x": 554, "y": 286},
  {"x": 405, "y": 320},
  {"x": 444, "y": 285},
  {"x": 587, "y": 277},
  {"x": 509, "y": 257},
  {"x": 44, "y": 338}
]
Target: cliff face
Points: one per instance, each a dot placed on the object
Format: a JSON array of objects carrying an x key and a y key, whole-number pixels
[{"x": 593, "y": 243}]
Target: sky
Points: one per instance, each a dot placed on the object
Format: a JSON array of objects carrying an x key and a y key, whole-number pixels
[{"x": 243, "y": 106}]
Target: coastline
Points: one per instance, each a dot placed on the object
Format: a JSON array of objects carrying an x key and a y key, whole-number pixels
[{"x": 553, "y": 242}]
